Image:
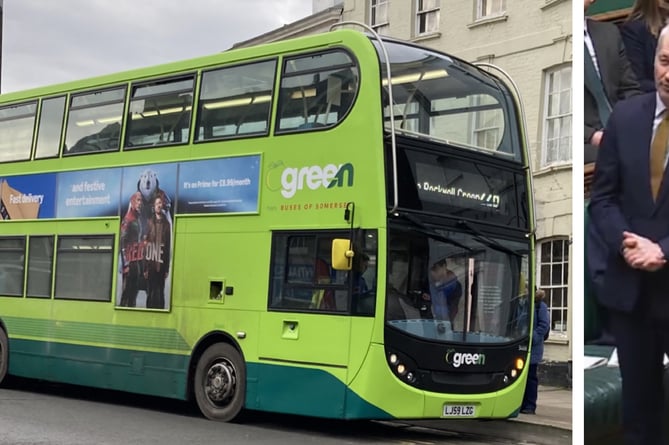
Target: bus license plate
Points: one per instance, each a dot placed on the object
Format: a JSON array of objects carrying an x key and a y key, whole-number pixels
[{"x": 459, "y": 411}]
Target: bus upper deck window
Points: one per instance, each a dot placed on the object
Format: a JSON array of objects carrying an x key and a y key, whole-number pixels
[
  {"x": 50, "y": 127},
  {"x": 94, "y": 122},
  {"x": 16, "y": 131},
  {"x": 236, "y": 101},
  {"x": 160, "y": 113},
  {"x": 317, "y": 91}
]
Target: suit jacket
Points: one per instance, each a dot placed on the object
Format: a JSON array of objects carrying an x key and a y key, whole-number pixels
[
  {"x": 621, "y": 200},
  {"x": 617, "y": 76},
  {"x": 640, "y": 47}
]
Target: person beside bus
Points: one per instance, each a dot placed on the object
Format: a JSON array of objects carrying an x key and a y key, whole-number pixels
[
  {"x": 539, "y": 333},
  {"x": 158, "y": 256},
  {"x": 629, "y": 206},
  {"x": 131, "y": 251}
]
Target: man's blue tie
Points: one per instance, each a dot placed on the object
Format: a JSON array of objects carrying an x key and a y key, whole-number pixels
[{"x": 594, "y": 84}]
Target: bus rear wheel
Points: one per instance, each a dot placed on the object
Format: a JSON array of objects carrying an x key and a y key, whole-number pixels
[
  {"x": 220, "y": 382},
  {"x": 4, "y": 354}
]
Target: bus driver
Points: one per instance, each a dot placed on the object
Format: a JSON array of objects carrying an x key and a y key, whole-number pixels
[{"x": 445, "y": 291}]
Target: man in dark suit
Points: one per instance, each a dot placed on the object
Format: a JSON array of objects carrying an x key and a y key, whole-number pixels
[
  {"x": 613, "y": 79},
  {"x": 630, "y": 207}
]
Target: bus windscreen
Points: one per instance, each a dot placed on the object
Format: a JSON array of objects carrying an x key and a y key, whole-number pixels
[{"x": 439, "y": 98}]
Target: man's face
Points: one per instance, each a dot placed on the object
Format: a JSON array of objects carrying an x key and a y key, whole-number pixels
[
  {"x": 438, "y": 271},
  {"x": 158, "y": 206},
  {"x": 662, "y": 70}
]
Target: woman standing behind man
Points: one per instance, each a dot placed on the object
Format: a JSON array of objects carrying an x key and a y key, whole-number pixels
[{"x": 639, "y": 34}]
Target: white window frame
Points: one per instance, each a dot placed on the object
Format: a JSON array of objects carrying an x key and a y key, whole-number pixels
[
  {"x": 556, "y": 146},
  {"x": 554, "y": 285},
  {"x": 380, "y": 26},
  {"x": 427, "y": 16},
  {"x": 484, "y": 124},
  {"x": 490, "y": 8}
]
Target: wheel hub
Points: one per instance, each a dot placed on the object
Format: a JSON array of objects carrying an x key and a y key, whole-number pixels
[{"x": 220, "y": 382}]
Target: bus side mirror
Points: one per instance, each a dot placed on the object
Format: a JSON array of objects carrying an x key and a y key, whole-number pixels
[{"x": 341, "y": 254}]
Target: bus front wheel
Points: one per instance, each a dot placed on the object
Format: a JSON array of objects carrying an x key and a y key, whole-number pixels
[
  {"x": 4, "y": 354},
  {"x": 220, "y": 382}
]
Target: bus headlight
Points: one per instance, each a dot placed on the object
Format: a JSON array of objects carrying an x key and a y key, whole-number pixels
[
  {"x": 514, "y": 373},
  {"x": 520, "y": 364},
  {"x": 403, "y": 367}
]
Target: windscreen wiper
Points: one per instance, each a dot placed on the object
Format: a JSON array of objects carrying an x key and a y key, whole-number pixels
[
  {"x": 490, "y": 242},
  {"x": 419, "y": 226}
]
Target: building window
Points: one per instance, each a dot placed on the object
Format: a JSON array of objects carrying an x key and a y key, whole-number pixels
[
  {"x": 427, "y": 16},
  {"x": 379, "y": 16},
  {"x": 490, "y": 8},
  {"x": 553, "y": 279},
  {"x": 557, "y": 117},
  {"x": 488, "y": 125}
]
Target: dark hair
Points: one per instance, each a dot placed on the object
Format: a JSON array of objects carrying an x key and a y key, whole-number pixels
[
  {"x": 441, "y": 262},
  {"x": 358, "y": 260}
]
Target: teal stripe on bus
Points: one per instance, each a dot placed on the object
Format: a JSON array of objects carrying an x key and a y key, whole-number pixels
[
  {"x": 278, "y": 388},
  {"x": 305, "y": 391},
  {"x": 142, "y": 372},
  {"x": 121, "y": 336}
]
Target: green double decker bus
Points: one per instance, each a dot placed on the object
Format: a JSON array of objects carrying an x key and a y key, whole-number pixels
[{"x": 337, "y": 226}]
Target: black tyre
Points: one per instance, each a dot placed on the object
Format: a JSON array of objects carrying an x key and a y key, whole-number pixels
[
  {"x": 220, "y": 382},
  {"x": 4, "y": 355}
]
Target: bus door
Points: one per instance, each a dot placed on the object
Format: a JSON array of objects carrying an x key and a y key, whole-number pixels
[{"x": 305, "y": 334}]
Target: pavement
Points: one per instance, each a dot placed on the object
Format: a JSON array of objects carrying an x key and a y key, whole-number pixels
[{"x": 551, "y": 425}]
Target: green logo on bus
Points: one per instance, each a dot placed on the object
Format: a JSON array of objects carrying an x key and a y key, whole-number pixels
[
  {"x": 464, "y": 358},
  {"x": 315, "y": 177}
]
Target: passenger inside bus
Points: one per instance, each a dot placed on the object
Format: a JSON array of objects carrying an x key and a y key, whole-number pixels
[
  {"x": 519, "y": 312},
  {"x": 445, "y": 292},
  {"x": 322, "y": 298},
  {"x": 363, "y": 295}
]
